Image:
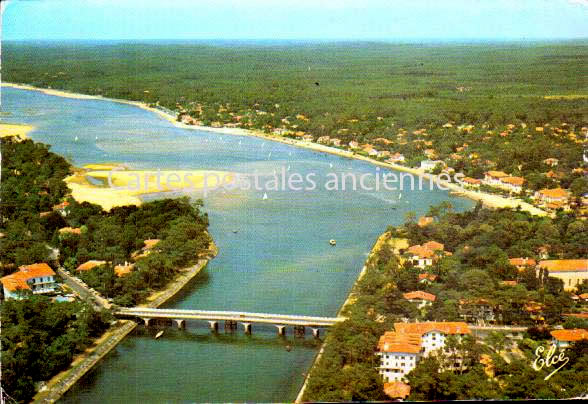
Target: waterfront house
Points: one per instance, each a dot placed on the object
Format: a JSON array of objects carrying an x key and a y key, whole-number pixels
[
  {"x": 336, "y": 142},
  {"x": 396, "y": 158},
  {"x": 563, "y": 338},
  {"x": 324, "y": 139},
  {"x": 89, "y": 265},
  {"x": 571, "y": 272},
  {"x": 36, "y": 278},
  {"x": 402, "y": 349},
  {"x": 512, "y": 184},
  {"x": 552, "y": 197},
  {"x": 493, "y": 178},
  {"x": 422, "y": 299},
  {"x": 383, "y": 154},
  {"x": 353, "y": 145},
  {"x": 428, "y": 165},
  {"x": 308, "y": 138},
  {"x": 471, "y": 182}
]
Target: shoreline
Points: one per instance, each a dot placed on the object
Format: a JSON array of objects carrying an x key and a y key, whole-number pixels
[
  {"x": 351, "y": 298},
  {"x": 489, "y": 200},
  {"x": 66, "y": 379}
]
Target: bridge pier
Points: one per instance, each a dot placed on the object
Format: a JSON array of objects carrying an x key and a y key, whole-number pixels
[
  {"x": 213, "y": 326},
  {"x": 146, "y": 320},
  {"x": 247, "y": 327},
  {"x": 316, "y": 332},
  {"x": 281, "y": 330},
  {"x": 180, "y": 323}
]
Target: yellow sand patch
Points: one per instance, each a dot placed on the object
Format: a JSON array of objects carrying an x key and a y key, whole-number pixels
[
  {"x": 129, "y": 185},
  {"x": 10, "y": 129},
  {"x": 565, "y": 97}
]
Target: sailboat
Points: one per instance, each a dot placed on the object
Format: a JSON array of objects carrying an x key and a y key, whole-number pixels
[
  {"x": 264, "y": 196},
  {"x": 76, "y": 139},
  {"x": 399, "y": 196},
  {"x": 269, "y": 155},
  {"x": 288, "y": 168},
  {"x": 331, "y": 165},
  {"x": 159, "y": 334}
]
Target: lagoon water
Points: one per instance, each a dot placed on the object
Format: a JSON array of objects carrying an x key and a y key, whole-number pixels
[{"x": 278, "y": 261}]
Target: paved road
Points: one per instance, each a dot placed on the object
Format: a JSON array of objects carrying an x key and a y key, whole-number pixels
[{"x": 98, "y": 301}]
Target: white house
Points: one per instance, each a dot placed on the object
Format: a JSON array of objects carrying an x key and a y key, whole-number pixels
[
  {"x": 428, "y": 165},
  {"x": 36, "y": 278},
  {"x": 422, "y": 299},
  {"x": 401, "y": 350}
]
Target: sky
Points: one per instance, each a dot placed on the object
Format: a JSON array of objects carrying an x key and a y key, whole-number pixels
[{"x": 294, "y": 19}]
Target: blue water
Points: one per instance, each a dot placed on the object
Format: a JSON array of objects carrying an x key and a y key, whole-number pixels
[{"x": 279, "y": 260}]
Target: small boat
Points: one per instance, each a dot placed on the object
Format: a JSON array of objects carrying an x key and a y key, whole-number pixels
[
  {"x": 331, "y": 165},
  {"x": 288, "y": 348},
  {"x": 332, "y": 242},
  {"x": 76, "y": 139},
  {"x": 288, "y": 168},
  {"x": 269, "y": 155},
  {"x": 399, "y": 196},
  {"x": 159, "y": 334},
  {"x": 235, "y": 231},
  {"x": 264, "y": 196}
]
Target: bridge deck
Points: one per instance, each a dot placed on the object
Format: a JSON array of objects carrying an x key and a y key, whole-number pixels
[{"x": 245, "y": 317}]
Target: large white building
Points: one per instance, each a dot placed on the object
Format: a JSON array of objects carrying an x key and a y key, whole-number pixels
[
  {"x": 401, "y": 350},
  {"x": 36, "y": 278}
]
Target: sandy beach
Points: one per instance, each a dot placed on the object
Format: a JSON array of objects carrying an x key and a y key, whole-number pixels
[
  {"x": 129, "y": 185},
  {"x": 489, "y": 200},
  {"x": 12, "y": 129}
]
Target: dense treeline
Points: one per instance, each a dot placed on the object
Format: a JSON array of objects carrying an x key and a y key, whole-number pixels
[
  {"x": 338, "y": 86},
  {"x": 481, "y": 241},
  {"x": 40, "y": 339},
  {"x": 32, "y": 182},
  {"x": 117, "y": 235}
]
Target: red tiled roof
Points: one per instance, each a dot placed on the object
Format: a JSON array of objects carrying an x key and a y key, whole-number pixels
[
  {"x": 570, "y": 335},
  {"x": 513, "y": 180},
  {"x": 472, "y": 181},
  {"x": 397, "y": 389},
  {"x": 434, "y": 246},
  {"x": 446, "y": 327},
  {"x": 419, "y": 294},
  {"x": 554, "y": 193},
  {"x": 122, "y": 270},
  {"x": 18, "y": 280},
  {"x": 521, "y": 262},
  {"x": 420, "y": 251},
  {"x": 392, "y": 341},
  {"x": 86, "y": 266},
  {"x": 580, "y": 265},
  {"x": 430, "y": 277},
  {"x": 71, "y": 230},
  {"x": 577, "y": 315},
  {"x": 496, "y": 174}
]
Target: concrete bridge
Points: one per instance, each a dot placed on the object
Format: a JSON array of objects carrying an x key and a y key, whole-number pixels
[{"x": 232, "y": 318}]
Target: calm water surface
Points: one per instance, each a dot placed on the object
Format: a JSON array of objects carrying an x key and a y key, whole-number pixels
[{"x": 279, "y": 261}]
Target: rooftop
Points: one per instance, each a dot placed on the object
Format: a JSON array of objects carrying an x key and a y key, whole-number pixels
[
  {"x": 576, "y": 334},
  {"x": 419, "y": 294},
  {"x": 446, "y": 327},
  {"x": 580, "y": 265}
]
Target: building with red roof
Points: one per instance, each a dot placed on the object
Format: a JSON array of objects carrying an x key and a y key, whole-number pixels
[
  {"x": 35, "y": 278},
  {"x": 563, "y": 338}
]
